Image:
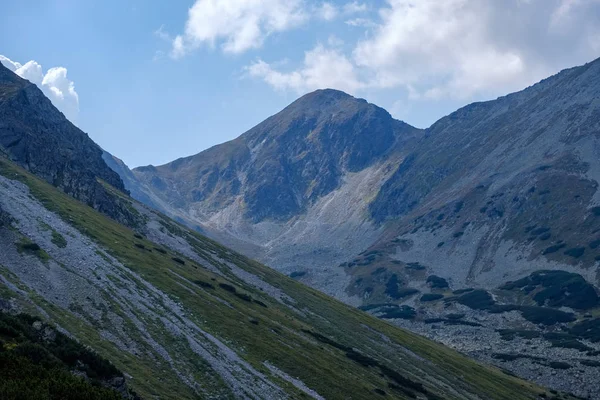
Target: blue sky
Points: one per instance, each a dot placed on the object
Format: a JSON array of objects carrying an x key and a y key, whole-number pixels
[{"x": 152, "y": 81}]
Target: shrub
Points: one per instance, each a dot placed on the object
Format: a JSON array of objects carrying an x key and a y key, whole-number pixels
[
  {"x": 178, "y": 260},
  {"x": 431, "y": 297},
  {"x": 244, "y": 296},
  {"x": 30, "y": 247},
  {"x": 203, "y": 284},
  {"x": 227, "y": 287},
  {"x": 162, "y": 251},
  {"x": 545, "y": 316},
  {"x": 405, "y": 292},
  {"x": 575, "y": 252},
  {"x": 477, "y": 299},
  {"x": 553, "y": 248},
  {"x": 587, "y": 329},
  {"x": 559, "y": 365},
  {"x": 461, "y": 291},
  {"x": 437, "y": 282},
  {"x": 415, "y": 265},
  {"x": 402, "y": 312},
  {"x": 560, "y": 288},
  {"x": 391, "y": 287}
]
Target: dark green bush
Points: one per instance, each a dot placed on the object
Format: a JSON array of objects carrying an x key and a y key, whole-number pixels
[
  {"x": 34, "y": 367},
  {"x": 477, "y": 299},
  {"x": 461, "y": 291},
  {"x": 227, "y": 287},
  {"x": 431, "y": 297},
  {"x": 203, "y": 284},
  {"x": 575, "y": 252},
  {"x": 559, "y": 288},
  {"x": 402, "y": 312},
  {"x": 30, "y": 246},
  {"x": 553, "y": 248},
  {"x": 437, "y": 282},
  {"x": 587, "y": 329},
  {"x": 545, "y": 316},
  {"x": 559, "y": 365}
]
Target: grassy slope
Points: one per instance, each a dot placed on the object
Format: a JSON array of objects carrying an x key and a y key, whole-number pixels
[{"x": 275, "y": 333}]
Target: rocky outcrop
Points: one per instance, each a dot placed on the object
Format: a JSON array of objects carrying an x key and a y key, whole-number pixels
[
  {"x": 281, "y": 167},
  {"x": 34, "y": 134}
]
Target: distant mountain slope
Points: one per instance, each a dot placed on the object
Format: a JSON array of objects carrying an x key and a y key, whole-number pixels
[
  {"x": 498, "y": 191},
  {"x": 37, "y": 136},
  {"x": 297, "y": 182},
  {"x": 285, "y": 164},
  {"x": 185, "y": 317}
]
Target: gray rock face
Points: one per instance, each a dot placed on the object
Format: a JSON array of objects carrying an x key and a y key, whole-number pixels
[
  {"x": 37, "y": 136},
  {"x": 281, "y": 167}
]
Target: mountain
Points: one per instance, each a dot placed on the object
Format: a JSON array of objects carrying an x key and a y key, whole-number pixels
[
  {"x": 293, "y": 190},
  {"x": 38, "y": 137},
  {"x": 92, "y": 307},
  {"x": 485, "y": 223}
]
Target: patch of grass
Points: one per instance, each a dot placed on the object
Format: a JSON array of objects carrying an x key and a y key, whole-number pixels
[
  {"x": 58, "y": 240},
  {"x": 278, "y": 338},
  {"x": 28, "y": 247}
]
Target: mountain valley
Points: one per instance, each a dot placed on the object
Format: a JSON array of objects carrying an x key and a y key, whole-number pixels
[{"x": 485, "y": 225}]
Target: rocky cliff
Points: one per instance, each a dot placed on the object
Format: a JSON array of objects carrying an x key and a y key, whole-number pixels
[{"x": 37, "y": 136}]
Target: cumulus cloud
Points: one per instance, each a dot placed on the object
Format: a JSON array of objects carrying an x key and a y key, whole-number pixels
[
  {"x": 455, "y": 48},
  {"x": 322, "y": 67},
  {"x": 54, "y": 83},
  {"x": 236, "y": 25}
]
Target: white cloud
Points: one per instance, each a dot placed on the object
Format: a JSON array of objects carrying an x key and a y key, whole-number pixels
[
  {"x": 322, "y": 68},
  {"x": 236, "y": 25},
  {"x": 452, "y": 49},
  {"x": 54, "y": 83},
  {"x": 327, "y": 11},
  {"x": 355, "y": 7}
]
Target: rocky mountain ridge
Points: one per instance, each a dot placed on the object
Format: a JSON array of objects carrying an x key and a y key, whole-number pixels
[{"x": 34, "y": 134}]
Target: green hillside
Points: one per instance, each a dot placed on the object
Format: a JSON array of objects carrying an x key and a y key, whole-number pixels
[{"x": 184, "y": 317}]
